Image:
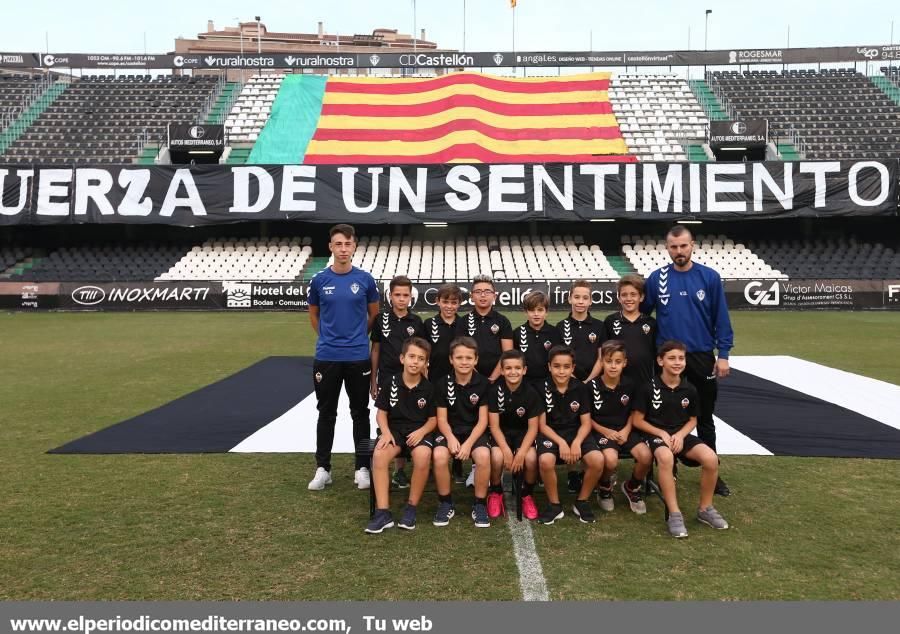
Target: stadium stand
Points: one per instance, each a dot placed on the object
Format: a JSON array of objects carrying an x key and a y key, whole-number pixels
[
  {"x": 732, "y": 260},
  {"x": 247, "y": 259},
  {"x": 13, "y": 260},
  {"x": 251, "y": 110},
  {"x": 658, "y": 114},
  {"x": 504, "y": 257},
  {"x": 844, "y": 258},
  {"x": 836, "y": 113},
  {"x": 105, "y": 119},
  {"x": 101, "y": 264}
]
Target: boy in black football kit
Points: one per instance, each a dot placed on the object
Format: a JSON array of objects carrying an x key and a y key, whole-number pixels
[
  {"x": 391, "y": 328},
  {"x": 666, "y": 408},
  {"x": 440, "y": 330},
  {"x": 636, "y": 330},
  {"x": 462, "y": 420},
  {"x": 565, "y": 434},
  {"x": 535, "y": 337},
  {"x": 514, "y": 411},
  {"x": 490, "y": 329},
  {"x": 581, "y": 332},
  {"x": 612, "y": 396},
  {"x": 406, "y": 420}
]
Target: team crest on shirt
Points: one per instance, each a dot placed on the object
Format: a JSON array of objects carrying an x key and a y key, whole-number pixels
[
  {"x": 421, "y": 403},
  {"x": 646, "y": 329},
  {"x": 548, "y": 444},
  {"x": 318, "y": 377},
  {"x": 520, "y": 412},
  {"x": 495, "y": 329},
  {"x": 624, "y": 400},
  {"x": 354, "y": 288},
  {"x": 410, "y": 331},
  {"x": 684, "y": 403},
  {"x": 574, "y": 406},
  {"x": 548, "y": 345},
  {"x": 592, "y": 337},
  {"x": 701, "y": 294},
  {"x": 473, "y": 399}
]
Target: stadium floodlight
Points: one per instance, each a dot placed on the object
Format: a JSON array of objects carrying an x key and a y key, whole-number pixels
[{"x": 258, "y": 38}]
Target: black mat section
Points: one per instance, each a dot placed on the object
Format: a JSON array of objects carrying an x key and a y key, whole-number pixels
[
  {"x": 212, "y": 419},
  {"x": 792, "y": 423}
]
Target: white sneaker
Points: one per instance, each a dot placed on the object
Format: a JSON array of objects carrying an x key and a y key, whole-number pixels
[
  {"x": 361, "y": 478},
  {"x": 319, "y": 481},
  {"x": 470, "y": 481}
]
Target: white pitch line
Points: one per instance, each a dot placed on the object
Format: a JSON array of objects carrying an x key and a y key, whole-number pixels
[{"x": 531, "y": 573}]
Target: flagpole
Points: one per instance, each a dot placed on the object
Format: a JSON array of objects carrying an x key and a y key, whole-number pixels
[
  {"x": 414, "y": 24},
  {"x": 514, "y": 28},
  {"x": 464, "y": 26}
]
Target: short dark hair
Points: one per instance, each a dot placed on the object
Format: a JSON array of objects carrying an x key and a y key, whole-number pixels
[
  {"x": 400, "y": 280},
  {"x": 517, "y": 355},
  {"x": 418, "y": 342},
  {"x": 449, "y": 291},
  {"x": 580, "y": 284},
  {"x": 535, "y": 299},
  {"x": 464, "y": 342},
  {"x": 631, "y": 279},
  {"x": 483, "y": 279},
  {"x": 558, "y": 350},
  {"x": 611, "y": 347},
  {"x": 679, "y": 230},
  {"x": 668, "y": 346},
  {"x": 346, "y": 230}
]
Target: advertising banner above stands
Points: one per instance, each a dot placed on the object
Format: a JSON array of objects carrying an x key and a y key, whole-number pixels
[
  {"x": 746, "y": 133},
  {"x": 292, "y": 296},
  {"x": 455, "y": 59},
  {"x": 413, "y": 194},
  {"x": 188, "y": 137}
]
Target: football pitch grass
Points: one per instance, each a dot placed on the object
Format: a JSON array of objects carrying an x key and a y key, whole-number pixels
[{"x": 244, "y": 526}]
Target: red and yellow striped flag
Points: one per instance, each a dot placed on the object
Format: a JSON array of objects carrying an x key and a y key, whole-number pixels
[{"x": 467, "y": 117}]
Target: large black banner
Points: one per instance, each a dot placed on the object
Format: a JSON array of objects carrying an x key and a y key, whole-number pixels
[
  {"x": 748, "y": 133},
  {"x": 455, "y": 59},
  {"x": 408, "y": 194}
]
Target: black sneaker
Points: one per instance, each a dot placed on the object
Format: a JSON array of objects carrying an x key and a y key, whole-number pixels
[
  {"x": 480, "y": 516},
  {"x": 400, "y": 481},
  {"x": 380, "y": 521},
  {"x": 408, "y": 521},
  {"x": 444, "y": 514},
  {"x": 583, "y": 512},
  {"x": 551, "y": 513},
  {"x": 722, "y": 488},
  {"x": 576, "y": 479}
]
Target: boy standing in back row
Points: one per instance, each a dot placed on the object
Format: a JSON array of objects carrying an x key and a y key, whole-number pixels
[{"x": 636, "y": 330}]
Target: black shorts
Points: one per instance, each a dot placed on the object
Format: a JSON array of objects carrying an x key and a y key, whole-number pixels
[
  {"x": 513, "y": 438},
  {"x": 545, "y": 445},
  {"x": 690, "y": 441},
  {"x": 605, "y": 443},
  {"x": 400, "y": 434},
  {"x": 483, "y": 441}
]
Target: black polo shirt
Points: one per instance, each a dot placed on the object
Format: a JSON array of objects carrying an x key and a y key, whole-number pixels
[
  {"x": 407, "y": 408},
  {"x": 611, "y": 407},
  {"x": 515, "y": 408},
  {"x": 439, "y": 334},
  {"x": 535, "y": 344},
  {"x": 639, "y": 337},
  {"x": 390, "y": 332},
  {"x": 585, "y": 338},
  {"x": 665, "y": 407},
  {"x": 463, "y": 402},
  {"x": 564, "y": 409},
  {"x": 487, "y": 332}
]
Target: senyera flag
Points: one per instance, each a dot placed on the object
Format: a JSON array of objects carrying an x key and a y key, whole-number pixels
[{"x": 467, "y": 117}]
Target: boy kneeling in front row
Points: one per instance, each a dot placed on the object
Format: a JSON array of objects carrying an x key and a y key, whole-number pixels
[
  {"x": 406, "y": 420},
  {"x": 666, "y": 410}
]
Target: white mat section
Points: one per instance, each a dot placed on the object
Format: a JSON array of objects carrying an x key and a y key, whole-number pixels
[
  {"x": 875, "y": 399},
  {"x": 731, "y": 442},
  {"x": 295, "y": 430}
]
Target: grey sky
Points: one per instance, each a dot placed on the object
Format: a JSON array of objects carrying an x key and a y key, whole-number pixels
[{"x": 101, "y": 26}]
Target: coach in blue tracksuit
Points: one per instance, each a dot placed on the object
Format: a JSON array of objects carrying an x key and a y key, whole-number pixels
[{"x": 689, "y": 299}]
